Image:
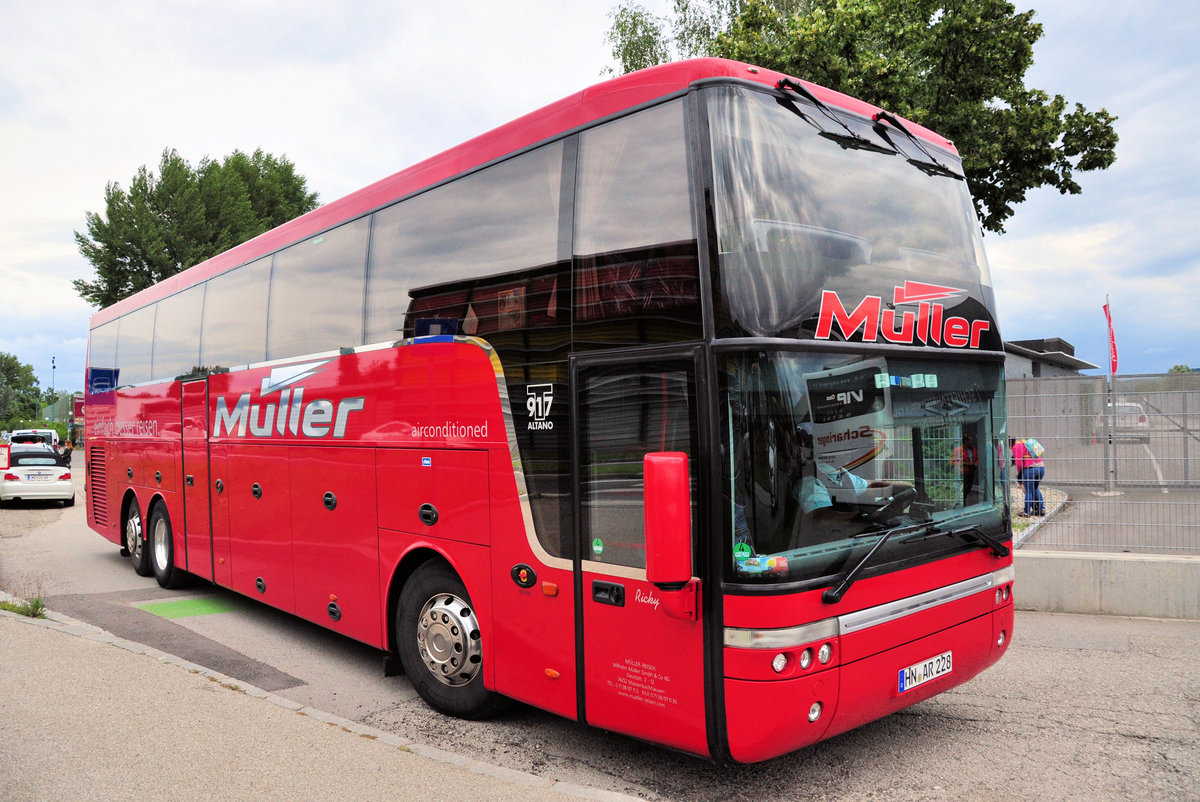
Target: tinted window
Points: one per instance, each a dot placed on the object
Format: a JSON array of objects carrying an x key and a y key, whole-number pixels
[
  {"x": 37, "y": 459},
  {"x": 102, "y": 358},
  {"x": 799, "y": 214},
  {"x": 177, "y": 333},
  {"x": 633, "y": 183},
  {"x": 498, "y": 220},
  {"x": 636, "y": 266},
  {"x": 235, "y": 316},
  {"x": 135, "y": 340},
  {"x": 317, "y": 293}
]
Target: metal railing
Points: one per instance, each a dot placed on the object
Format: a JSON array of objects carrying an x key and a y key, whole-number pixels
[{"x": 1122, "y": 461}]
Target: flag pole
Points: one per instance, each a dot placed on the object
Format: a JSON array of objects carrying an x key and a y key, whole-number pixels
[{"x": 1109, "y": 458}]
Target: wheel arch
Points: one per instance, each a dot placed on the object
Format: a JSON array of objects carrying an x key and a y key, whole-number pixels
[
  {"x": 129, "y": 497},
  {"x": 156, "y": 500},
  {"x": 409, "y": 563}
]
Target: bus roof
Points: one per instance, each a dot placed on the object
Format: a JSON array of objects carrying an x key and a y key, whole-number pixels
[{"x": 577, "y": 110}]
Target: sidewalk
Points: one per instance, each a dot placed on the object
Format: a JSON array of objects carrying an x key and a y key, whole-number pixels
[{"x": 85, "y": 715}]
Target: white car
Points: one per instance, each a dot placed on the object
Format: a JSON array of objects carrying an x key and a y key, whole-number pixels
[
  {"x": 1124, "y": 420},
  {"x": 36, "y": 472},
  {"x": 47, "y": 436}
]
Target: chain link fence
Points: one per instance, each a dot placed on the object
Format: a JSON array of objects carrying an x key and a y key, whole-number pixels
[{"x": 1122, "y": 462}]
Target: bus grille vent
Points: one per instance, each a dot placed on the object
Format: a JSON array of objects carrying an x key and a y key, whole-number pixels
[{"x": 97, "y": 486}]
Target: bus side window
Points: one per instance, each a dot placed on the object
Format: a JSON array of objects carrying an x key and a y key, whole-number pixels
[{"x": 235, "y": 316}]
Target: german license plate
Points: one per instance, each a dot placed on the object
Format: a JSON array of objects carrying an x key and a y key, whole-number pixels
[
  {"x": 924, "y": 671},
  {"x": 39, "y": 477}
]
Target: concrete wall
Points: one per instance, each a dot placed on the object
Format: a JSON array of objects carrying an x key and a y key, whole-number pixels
[{"x": 1113, "y": 584}]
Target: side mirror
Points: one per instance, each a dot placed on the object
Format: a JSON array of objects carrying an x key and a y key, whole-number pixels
[{"x": 668, "y": 506}]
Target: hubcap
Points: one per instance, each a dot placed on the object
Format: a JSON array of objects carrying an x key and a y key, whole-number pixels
[
  {"x": 160, "y": 543},
  {"x": 133, "y": 534},
  {"x": 448, "y": 639}
]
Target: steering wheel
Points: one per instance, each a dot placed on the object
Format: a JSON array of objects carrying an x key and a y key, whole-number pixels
[{"x": 895, "y": 505}]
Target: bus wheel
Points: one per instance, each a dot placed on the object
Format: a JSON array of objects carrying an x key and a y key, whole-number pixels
[
  {"x": 135, "y": 541},
  {"x": 437, "y": 635},
  {"x": 162, "y": 549}
]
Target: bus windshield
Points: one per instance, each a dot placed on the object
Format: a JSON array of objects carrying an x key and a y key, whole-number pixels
[
  {"x": 824, "y": 452},
  {"x": 799, "y": 213}
]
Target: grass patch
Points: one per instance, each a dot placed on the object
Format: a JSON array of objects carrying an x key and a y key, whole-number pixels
[{"x": 33, "y": 609}]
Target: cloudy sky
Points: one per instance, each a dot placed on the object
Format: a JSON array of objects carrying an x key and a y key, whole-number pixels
[{"x": 356, "y": 91}]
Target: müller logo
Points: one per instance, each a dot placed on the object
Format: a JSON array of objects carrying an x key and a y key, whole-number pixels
[
  {"x": 317, "y": 418},
  {"x": 925, "y": 324}
]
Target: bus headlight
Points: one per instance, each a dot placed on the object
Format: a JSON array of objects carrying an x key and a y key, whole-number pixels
[
  {"x": 779, "y": 663},
  {"x": 825, "y": 653},
  {"x": 814, "y": 712},
  {"x": 806, "y": 658}
]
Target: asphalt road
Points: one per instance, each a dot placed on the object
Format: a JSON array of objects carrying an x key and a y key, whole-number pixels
[{"x": 1082, "y": 707}]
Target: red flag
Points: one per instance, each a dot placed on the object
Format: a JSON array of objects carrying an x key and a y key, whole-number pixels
[{"x": 1112, "y": 342}]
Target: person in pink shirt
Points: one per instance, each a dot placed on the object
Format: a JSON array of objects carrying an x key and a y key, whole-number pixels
[{"x": 1031, "y": 470}]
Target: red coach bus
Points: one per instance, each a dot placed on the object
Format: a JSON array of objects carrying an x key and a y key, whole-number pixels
[{"x": 639, "y": 409}]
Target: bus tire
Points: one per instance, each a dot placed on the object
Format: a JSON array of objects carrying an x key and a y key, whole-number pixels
[
  {"x": 135, "y": 540},
  {"x": 161, "y": 545},
  {"x": 440, "y": 646}
]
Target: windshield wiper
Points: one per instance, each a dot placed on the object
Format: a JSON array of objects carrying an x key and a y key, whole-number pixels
[
  {"x": 931, "y": 167},
  {"x": 850, "y": 139},
  {"x": 972, "y": 531},
  {"x": 975, "y": 531},
  {"x": 834, "y": 594}
]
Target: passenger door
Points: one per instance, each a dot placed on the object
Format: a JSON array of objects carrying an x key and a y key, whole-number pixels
[
  {"x": 197, "y": 518},
  {"x": 643, "y": 646}
]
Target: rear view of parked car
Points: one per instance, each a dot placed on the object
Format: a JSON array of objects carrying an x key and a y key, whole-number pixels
[
  {"x": 1124, "y": 420},
  {"x": 36, "y": 472},
  {"x": 47, "y": 436}
]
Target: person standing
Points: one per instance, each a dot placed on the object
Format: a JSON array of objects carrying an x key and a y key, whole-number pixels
[
  {"x": 1031, "y": 470},
  {"x": 965, "y": 458}
]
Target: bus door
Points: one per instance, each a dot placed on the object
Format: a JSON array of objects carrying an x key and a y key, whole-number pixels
[
  {"x": 642, "y": 664},
  {"x": 197, "y": 529}
]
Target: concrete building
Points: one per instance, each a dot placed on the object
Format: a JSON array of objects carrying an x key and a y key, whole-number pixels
[{"x": 1032, "y": 359}]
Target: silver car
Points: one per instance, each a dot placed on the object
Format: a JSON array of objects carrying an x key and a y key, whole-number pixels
[
  {"x": 1124, "y": 420},
  {"x": 36, "y": 472}
]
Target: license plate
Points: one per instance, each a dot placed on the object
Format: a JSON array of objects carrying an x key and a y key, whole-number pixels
[
  {"x": 39, "y": 477},
  {"x": 922, "y": 672}
]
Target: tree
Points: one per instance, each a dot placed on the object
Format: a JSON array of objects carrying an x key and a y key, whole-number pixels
[
  {"x": 168, "y": 222},
  {"x": 1180, "y": 369},
  {"x": 957, "y": 68},
  {"x": 20, "y": 396}
]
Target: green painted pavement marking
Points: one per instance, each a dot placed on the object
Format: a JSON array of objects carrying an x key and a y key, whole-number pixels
[{"x": 185, "y": 608}]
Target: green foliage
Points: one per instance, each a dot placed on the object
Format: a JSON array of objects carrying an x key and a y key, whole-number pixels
[
  {"x": 30, "y": 609},
  {"x": 636, "y": 38},
  {"x": 20, "y": 395},
  {"x": 1180, "y": 369},
  {"x": 957, "y": 68},
  {"x": 168, "y": 222}
]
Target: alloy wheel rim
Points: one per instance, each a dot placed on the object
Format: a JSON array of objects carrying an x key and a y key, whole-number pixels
[
  {"x": 160, "y": 543},
  {"x": 133, "y": 534},
  {"x": 448, "y": 640}
]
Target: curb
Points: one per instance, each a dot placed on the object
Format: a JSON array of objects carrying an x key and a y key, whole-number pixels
[
  {"x": 70, "y": 626},
  {"x": 1054, "y": 506}
]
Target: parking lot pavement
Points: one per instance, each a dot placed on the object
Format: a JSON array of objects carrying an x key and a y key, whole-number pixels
[{"x": 84, "y": 715}]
